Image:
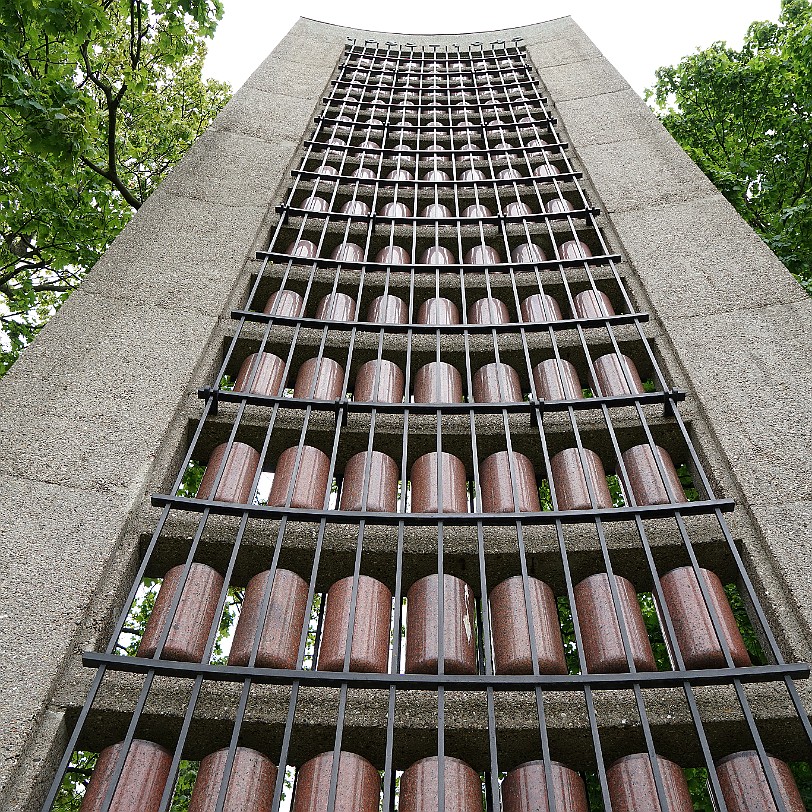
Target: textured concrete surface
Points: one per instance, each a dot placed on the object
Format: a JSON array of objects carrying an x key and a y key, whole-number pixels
[
  {"x": 706, "y": 275},
  {"x": 56, "y": 541},
  {"x": 582, "y": 79}
]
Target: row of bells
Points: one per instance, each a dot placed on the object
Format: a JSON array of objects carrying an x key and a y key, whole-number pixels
[
  {"x": 433, "y": 63},
  {"x": 543, "y": 172},
  {"x": 630, "y": 780},
  {"x": 285, "y": 611},
  {"x": 382, "y": 381},
  {"x": 439, "y": 211},
  {"x": 527, "y": 124},
  {"x": 438, "y": 482},
  {"x": 538, "y": 308},
  {"x": 438, "y": 255}
]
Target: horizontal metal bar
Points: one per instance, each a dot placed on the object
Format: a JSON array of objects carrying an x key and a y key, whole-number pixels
[
  {"x": 430, "y": 682},
  {"x": 562, "y": 177},
  {"x": 529, "y": 82},
  {"x": 494, "y": 71},
  {"x": 455, "y": 107},
  {"x": 363, "y": 407},
  {"x": 326, "y": 262},
  {"x": 540, "y": 217},
  {"x": 438, "y": 57},
  {"x": 333, "y": 516},
  {"x": 443, "y": 329},
  {"x": 466, "y": 58},
  {"x": 431, "y": 156},
  {"x": 462, "y": 126}
]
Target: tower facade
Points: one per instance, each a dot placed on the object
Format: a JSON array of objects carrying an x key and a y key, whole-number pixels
[{"x": 429, "y": 342}]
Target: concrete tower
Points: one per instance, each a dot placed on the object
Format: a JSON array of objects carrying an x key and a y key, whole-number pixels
[{"x": 462, "y": 345}]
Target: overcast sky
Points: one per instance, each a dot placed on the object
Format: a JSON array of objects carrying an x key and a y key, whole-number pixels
[{"x": 637, "y": 36}]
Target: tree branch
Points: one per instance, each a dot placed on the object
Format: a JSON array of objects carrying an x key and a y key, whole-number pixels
[
  {"x": 19, "y": 268},
  {"x": 115, "y": 180},
  {"x": 53, "y": 288},
  {"x": 113, "y": 102},
  {"x": 79, "y": 771},
  {"x": 137, "y": 32}
]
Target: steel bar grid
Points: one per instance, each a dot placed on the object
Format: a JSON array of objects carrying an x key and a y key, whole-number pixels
[{"x": 434, "y": 181}]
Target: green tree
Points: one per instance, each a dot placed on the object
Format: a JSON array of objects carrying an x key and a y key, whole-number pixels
[
  {"x": 745, "y": 117},
  {"x": 98, "y": 99}
]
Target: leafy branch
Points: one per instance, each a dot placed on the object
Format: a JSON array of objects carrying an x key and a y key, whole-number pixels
[
  {"x": 113, "y": 102},
  {"x": 745, "y": 117},
  {"x": 97, "y": 102}
]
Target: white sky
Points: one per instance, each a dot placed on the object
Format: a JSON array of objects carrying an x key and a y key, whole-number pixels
[{"x": 637, "y": 36}]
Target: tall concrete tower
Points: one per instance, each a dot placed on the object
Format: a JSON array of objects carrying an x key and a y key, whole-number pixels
[{"x": 428, "y": 342}]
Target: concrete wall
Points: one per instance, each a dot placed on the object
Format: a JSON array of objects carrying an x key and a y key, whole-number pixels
[{"x": 94, "y": 410}]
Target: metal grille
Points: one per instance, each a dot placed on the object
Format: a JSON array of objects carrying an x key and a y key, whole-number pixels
[{"x": 436, "y": 227}]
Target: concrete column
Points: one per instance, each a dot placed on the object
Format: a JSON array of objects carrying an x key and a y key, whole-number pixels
[{"x": 93, "y": 411}]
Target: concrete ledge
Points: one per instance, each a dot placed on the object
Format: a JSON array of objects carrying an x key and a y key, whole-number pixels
[{"x": 465, "y": 720}]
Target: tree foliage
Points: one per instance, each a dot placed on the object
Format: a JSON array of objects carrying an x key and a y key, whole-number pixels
[
  {"x": 98, "y": 100},
  {"x": 745, "y": 117}
]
